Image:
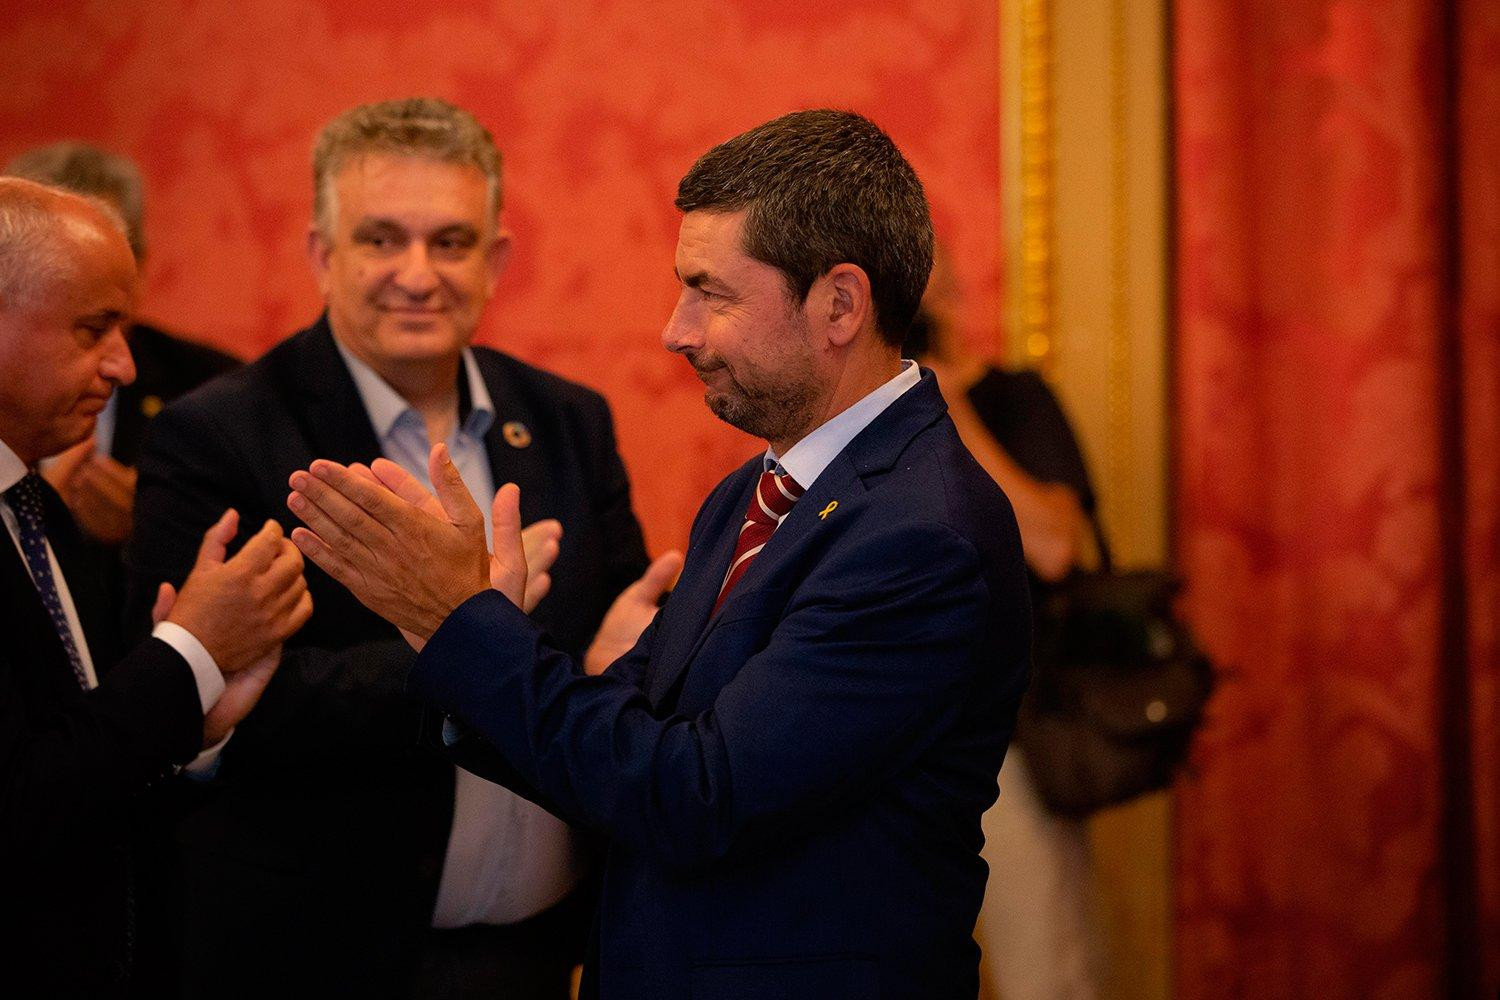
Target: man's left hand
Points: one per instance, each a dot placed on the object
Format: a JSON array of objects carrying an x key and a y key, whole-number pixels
[{"x": 410, "y": 565}]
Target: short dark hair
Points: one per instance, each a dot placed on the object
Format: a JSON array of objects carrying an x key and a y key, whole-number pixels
[{"x": 823, "y": 188}]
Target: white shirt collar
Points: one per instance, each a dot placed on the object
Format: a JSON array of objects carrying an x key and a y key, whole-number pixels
[
  {"x": 12, "y": 469},
  {"x": 385, "y": 405},
  {"x": 807, "y": 459}
]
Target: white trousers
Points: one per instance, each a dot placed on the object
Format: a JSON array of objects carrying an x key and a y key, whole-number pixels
[{"x": 1036, "y": 929}]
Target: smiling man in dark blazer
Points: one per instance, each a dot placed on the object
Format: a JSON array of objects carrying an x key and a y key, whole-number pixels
[
  {"x": 335, "y": 857},
  {"x": 792, "y": 762}
]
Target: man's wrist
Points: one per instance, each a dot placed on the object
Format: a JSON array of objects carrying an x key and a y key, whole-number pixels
[{"x": 206, "y": 673}]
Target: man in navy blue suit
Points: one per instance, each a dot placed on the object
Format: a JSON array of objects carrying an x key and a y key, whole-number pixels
[{"x": 792, "y": 761}]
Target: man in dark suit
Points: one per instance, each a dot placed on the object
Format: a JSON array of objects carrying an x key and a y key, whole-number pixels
[
  {"x": 85, "y": 727},
  {"x": 792, "y": 762},
  {"x": 334, "y": 858},
  {"x": 96, "y": 478}
]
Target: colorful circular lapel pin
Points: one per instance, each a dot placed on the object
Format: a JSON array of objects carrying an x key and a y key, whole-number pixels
[
  {"x": 516, "y": 434},
  {"x": 150, "y": 406}
]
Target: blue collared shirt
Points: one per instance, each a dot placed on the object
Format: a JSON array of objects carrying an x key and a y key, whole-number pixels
[
  {"x": 403, "y": 433},
  {"x": 807, "y": 459},
  {"x": 507, "y": 859}
]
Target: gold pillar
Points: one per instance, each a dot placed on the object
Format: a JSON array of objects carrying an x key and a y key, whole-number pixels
[{"x": 1084, "y": 92}]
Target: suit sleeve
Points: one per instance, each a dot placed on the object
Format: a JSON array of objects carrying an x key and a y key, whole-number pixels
[
  {"x": 344, "y": 701},
  {"x": 866, "y": 668},
  {"x": 65, "y": 767},
  {"x": 472, "y": 752}
]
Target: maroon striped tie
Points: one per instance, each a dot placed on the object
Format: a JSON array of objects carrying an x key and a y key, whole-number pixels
[{"x": 773, "y": 499}]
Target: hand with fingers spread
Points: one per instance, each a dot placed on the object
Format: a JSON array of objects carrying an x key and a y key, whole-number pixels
[
  {"x": 409, "y": 563},
  {"x": 541, "y": 540},
  {"x": 631, "y": 612},
  {"x": 241, "y": 608}
]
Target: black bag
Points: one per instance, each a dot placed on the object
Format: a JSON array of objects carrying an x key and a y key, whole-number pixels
[{"x": 1117, "y": 691}]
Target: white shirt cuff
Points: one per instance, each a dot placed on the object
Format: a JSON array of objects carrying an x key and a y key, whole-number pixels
[
  {"x": 206, "y": 764},
  {"x": 205, "y": 670}
]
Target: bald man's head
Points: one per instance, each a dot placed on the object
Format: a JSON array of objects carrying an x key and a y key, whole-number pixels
[
  {"x": 42, "y": 232},
  {"x": 67, "y": 289}
]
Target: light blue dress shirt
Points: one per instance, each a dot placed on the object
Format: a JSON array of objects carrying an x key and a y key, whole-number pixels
[
  {"x": 807, "y": 459},
  {"x": 508, "y": 859}
]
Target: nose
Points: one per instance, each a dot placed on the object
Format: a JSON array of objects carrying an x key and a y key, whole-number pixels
[
  {"x": 117, "y": 365},
  {"x": 682, "y": 332},
  {"x": 415, "y": 276}
]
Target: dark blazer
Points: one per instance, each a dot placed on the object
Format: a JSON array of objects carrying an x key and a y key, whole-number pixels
[
  {"x": 166, "y": 367},
  {"x": 315, "y": 856},
  {"x": 792, "y": 787},
  {"x": 75, "y": 771}
]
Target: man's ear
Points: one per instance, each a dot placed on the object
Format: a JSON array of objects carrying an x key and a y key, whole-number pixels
[
  {"x": 498, "y": 254},
  {"x": 318, "y": 252},
  {"x": 843, "y": 296}
]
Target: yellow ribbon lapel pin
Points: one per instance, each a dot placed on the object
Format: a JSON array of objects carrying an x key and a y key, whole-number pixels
[{"x": 833, "y": 505}]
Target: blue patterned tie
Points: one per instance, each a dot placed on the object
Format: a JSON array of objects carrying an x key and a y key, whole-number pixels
[{"x": 25, "y": 498}]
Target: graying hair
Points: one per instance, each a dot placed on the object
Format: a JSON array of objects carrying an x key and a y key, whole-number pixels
[
  {"x": 426, "y": 127},
  {"x": 98, "y": 173},
  {"x": 35, "y": 238}
]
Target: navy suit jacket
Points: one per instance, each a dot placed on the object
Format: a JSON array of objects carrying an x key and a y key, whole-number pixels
[{"x": 792, "y": 787}]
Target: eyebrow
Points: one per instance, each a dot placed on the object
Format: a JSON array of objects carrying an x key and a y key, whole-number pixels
[
  {"x": 456, "y": 229},
  {"x": 696, "y": 279},
  {"x": 107, "y": 316},
  {"x": 371, "y": 223}
]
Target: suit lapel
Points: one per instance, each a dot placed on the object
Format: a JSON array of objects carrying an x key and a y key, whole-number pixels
[
  {"x": 694, "y": 596},
  {"x": 321, "y": 392},
  {"x": 27, "y": 616},
  {"x": 873, "y": 451},
  {"x": 30, "y": 618},
  {"x": 523, "y": 462},
  {"x": 81, "y": 570}
]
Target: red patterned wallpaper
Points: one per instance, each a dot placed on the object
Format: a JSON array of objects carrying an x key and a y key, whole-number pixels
[
  {"x": 1311, "y": 328},
  {"x": 599, "y": 107}
]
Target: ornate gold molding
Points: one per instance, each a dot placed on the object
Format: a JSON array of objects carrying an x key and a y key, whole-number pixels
[
  {"x": 1035, "y": 236},
  {"x": 1120, "y": 496}
]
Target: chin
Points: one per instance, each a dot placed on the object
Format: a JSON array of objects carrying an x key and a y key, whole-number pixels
[
  {"x": 416, "y": 342},
  {"x": 76, "y": 430}
]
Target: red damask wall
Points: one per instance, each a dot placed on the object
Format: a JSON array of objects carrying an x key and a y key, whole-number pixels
[
  {"x": 599, "y": 108},
  {"x": 1315, "y": 328}
]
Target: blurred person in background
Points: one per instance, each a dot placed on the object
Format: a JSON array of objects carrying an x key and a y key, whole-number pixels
[
  {"x": 87, "y": 728},
  {"x": 329, "y": 856},
  {"x": 1037, "y": 928},
  {"x": 96, "y": 478}
]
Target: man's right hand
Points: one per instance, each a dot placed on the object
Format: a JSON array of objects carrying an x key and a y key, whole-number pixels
[{"x": 241, "y": 609}]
